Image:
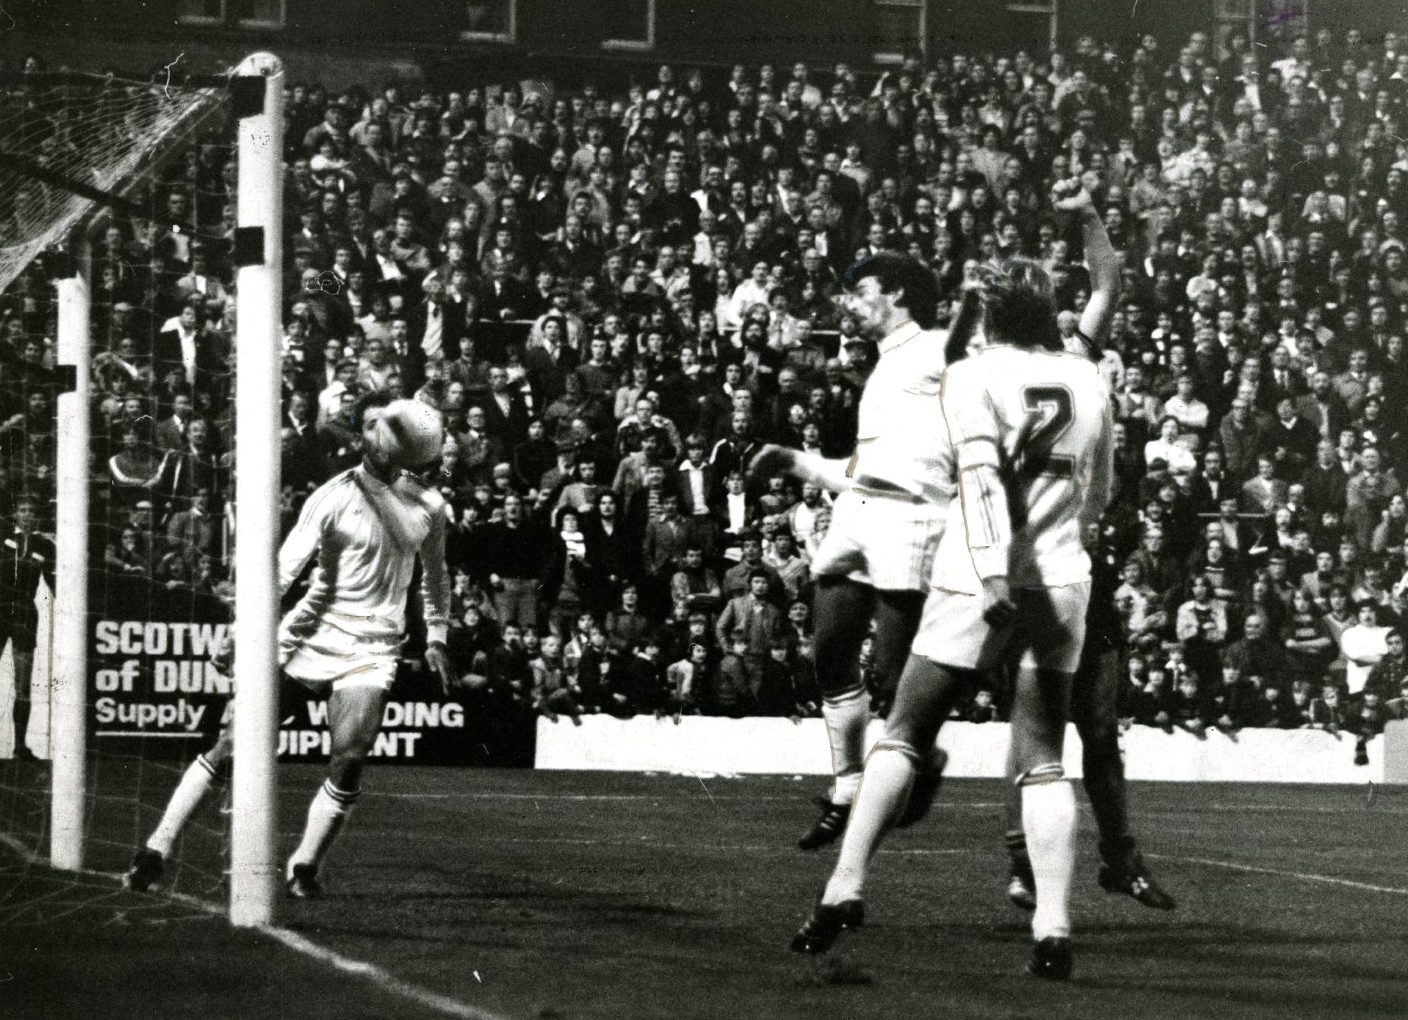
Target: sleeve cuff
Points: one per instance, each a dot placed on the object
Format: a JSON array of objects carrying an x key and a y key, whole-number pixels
[
  {"x": 437, "y": 633},
  {"x": 1094, "y": 351}
]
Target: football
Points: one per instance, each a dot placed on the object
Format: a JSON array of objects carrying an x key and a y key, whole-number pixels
[{"x": 412, "y": 433}]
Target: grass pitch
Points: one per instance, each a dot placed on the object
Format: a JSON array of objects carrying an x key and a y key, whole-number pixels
[{"x": 588, "y": 896}]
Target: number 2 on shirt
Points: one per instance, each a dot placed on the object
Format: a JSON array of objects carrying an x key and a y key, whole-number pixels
[{"x": 1052, "y": 408}]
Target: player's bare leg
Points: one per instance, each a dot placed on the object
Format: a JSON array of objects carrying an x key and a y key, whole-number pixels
[
  {"x": 1039, "y": 711},
  {"x": 24, "y": 670},
  {"x": 354, "y": 719},
  {"x": 149, "y": 862},
  {"x": 927, "y": 692}
]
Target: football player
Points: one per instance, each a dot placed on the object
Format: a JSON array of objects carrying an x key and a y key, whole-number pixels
[
  {"x": 366, "y": 526},
  {"x": 875, "y": 560},
  {"x": 1030, "y": 436},
  {"x": 1093, "y": 693}
]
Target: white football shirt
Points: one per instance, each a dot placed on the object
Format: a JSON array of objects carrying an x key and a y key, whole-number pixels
[
  {"x": 1051, "y": 411},
  {"x": 366, "y": 536},
  {"x": 900, "y": 434}
]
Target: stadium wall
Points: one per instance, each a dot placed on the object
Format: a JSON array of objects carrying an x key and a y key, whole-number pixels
[
  {"x": 346, "y": 42},
  {"x": 781, "y": 746}
]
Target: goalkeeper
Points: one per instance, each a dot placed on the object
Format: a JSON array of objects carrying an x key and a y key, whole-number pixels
[{"x": 365, "y": 526}]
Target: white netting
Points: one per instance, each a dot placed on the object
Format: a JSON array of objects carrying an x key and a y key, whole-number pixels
[
  {"x": 164, "y": 153},
  {"x": 99, "y": 133}
]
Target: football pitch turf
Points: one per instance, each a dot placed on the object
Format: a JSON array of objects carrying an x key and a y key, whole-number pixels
[{"x": 498, "y": 894}]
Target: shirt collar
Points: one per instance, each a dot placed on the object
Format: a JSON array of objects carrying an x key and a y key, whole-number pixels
[{"x": 900, "y": 335}]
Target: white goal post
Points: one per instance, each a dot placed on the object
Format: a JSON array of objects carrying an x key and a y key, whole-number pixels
[
  {"x": 254, "y": 865},
  {"x": 68, "y": 723}
]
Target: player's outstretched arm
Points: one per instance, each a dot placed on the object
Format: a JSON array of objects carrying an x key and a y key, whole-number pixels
[
  {"x": 807, "y": 467},
  {"x": 1100, "y": 256}
]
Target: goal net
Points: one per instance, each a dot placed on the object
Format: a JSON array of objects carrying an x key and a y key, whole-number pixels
[
  {"x": 125, "y": 192},
  {"x": 67, "y": 140}
]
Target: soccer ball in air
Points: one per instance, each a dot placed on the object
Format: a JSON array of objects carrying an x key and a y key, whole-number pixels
[{"x": 410, "y": 433}]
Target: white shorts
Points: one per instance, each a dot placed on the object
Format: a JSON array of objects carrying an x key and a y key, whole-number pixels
[
  {"x": 330, "y": 655},
  {"x": 1049, "y": 631},
  {"x": 887, "y": 542}
]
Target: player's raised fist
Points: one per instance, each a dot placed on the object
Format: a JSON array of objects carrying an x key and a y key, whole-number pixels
[{"x": 1070, "y": 195}]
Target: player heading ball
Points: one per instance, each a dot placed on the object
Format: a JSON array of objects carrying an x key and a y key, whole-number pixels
[
  {"x": 889, "y": 515},
  {"x": 408, "y": 434}
]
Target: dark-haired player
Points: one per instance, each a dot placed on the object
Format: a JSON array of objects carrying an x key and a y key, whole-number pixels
[
  {"x": 878, "y": 552},
  {"x": 365, "y": 526},
  {"x": 1013, "y": 549}
]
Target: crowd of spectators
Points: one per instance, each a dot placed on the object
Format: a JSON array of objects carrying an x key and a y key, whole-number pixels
[{"x": 615, "y": 299}]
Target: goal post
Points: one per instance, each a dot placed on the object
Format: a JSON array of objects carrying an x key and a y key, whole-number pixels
[
  {"x": 254, "y": 865},
  {"x": 68, "y": 725}
]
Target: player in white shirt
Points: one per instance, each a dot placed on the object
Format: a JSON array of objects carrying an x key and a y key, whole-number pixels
[
  {"x": 363, "y": 529},
  {"x": 1095, "y": 689},
  {"x": 878, "y": 552},
  {"x": 1030, "y": 430}
]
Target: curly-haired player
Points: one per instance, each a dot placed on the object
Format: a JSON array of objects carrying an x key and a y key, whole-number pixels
[{"x": 875, "y": 561}]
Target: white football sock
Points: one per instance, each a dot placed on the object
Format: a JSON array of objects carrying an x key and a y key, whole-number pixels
[
  {"x": 184, "y": 800},
  {"x": 326, "y": 816},
  {"x": 847, "y": 718},
  {"x": 1049, "y": 816},
  {"x": 889, "y": 774}
]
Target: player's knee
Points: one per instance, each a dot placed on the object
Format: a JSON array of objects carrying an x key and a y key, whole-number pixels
[
  {"x": 345, "y": 768},
  {"x": 901, "y": 728},
  {"x": 899, "y": 745},
  {"x": 836, "y": 644},
  {"x": 895, "y": 628},
  {"x": 1036, "y": 739},
  {"x": 1042, "y": 775}
]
